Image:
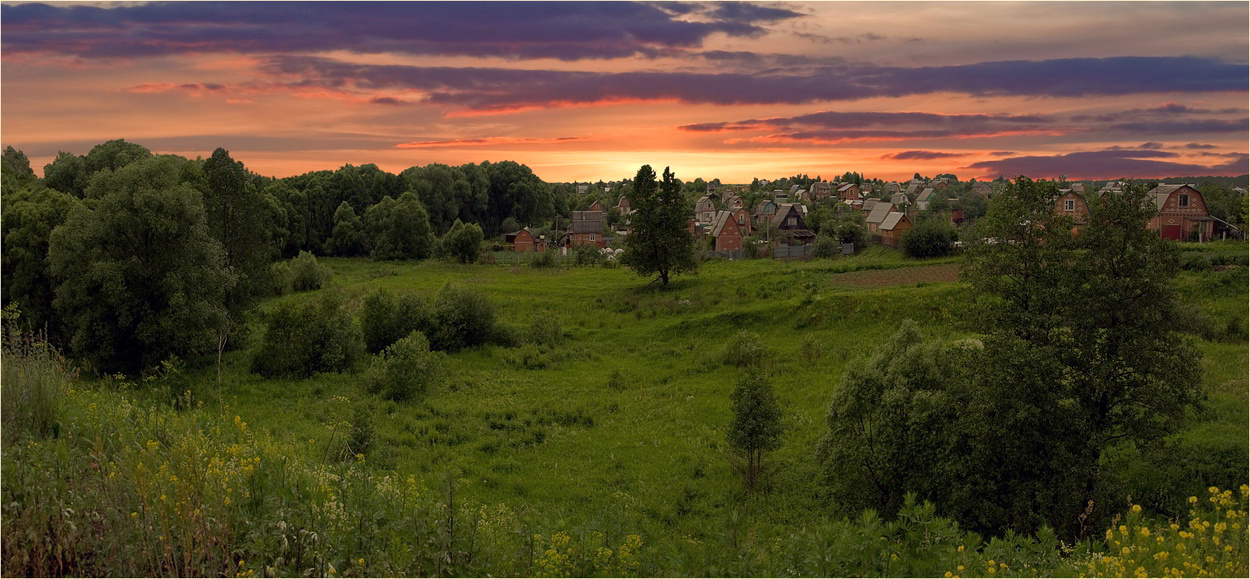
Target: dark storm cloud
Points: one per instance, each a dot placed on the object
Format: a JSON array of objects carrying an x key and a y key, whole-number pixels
[
  {"x": 501, "y": 89},
  {"x": 832, "y": 126},
  {"x": 561, "y": 30},
  {"x": 1107, "y": 164},
  {"x": 920, "y": 155}
]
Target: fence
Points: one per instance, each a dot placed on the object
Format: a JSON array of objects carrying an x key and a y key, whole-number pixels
[{"x": 792, "y": 251}]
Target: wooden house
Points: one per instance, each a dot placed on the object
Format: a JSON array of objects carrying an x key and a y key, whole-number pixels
[
  {"x": 704, "y": 210},
  {"x": 821, "y": 190},
  {"x": 623, "y": 206},
  {"x": 868, "y": 204},
  {"x": 878, "y": 215},
  {"x": 848, "y": 192},
  {"x": 734, "y": 202},
  {"x": 892, "y": 228},
  {"x": 726, "y": 232},
  {"x": 791, "y": 226},
  {"x": 922, "y": 200},
  {"x": 596, "y": 206},
  {"x": 1182, "y": 213},
  {"x": 764, "y": 212},
  {"x": 586, "y": 229},
  {"x": 982, "y": 188}
]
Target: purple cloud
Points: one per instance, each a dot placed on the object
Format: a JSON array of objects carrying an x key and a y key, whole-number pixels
[
  {"x": 502, "y": 89},
  {"x": 1106, "y": 164},
  {"x": 920, "y": 155},
  {"x": 562, "y": 30}
]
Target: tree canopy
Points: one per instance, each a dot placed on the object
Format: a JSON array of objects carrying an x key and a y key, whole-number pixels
[{"x": 659, "y": 243}]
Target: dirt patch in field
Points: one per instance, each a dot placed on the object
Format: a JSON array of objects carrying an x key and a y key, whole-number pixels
[{"x": 873, "y": 278}]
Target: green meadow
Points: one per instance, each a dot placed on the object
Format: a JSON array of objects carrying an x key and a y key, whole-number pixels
[{"x": 620, "y": 429}]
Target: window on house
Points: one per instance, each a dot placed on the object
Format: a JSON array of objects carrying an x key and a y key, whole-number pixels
[
  {"x": 1184, "y": 202},
  {"x": 592, "y": 237},
  {"x": 1069, "y": 205},
  {"x": 792, "y": 221}
]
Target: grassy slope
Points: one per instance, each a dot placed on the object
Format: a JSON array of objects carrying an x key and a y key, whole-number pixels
[{"x": 653, "y": 450}]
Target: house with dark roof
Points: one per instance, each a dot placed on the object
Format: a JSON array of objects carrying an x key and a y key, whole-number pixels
[
  {"x": 821, "y": 190},
  {"x": 586, "y": 229},
  {"x": 596, "y": 206},
  {"x": 791, "y": 226},
  {"x": 624, "y": 206},
  {"x": 982, "y": 188},
  {"x": 848, "y": 191},
  {"x": 525, "y": 240},
  {"x": 764, "y": 211},
  {"x": 704, "y": 210}
]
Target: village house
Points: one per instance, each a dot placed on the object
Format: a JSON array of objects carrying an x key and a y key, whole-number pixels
[
  {"x": 900, "y": 200},
  {"x": 938, "y": 184},
  {"x": 743, "y": 217},
  {"x": 726, "y": 232},
  {"x": 922, "y": 200},
  {"x": 780, "y": 196},
  {"x": 790, "y": 224},
  {"x": 982, "y": 188},
  {"x": 525, "y": 240},
  {"x": 913, "y": 187},
  {"x": 878, "y": 215},
  {"x": 868, "y": 204},
  {"x": 596, "y": 206},
  {"x": 734, "y": 202},
  {"x": 704, "y": 210},
  {"x": 1182, "y": 213},
  {"x": 848, "y": 191},
  {"x": 582, "y": 189},
  {"x": 623, "y": 206},
  {"x": 892, "y": 188},
  {"x": 892, "y": 228},
  {"x": 586, "y": 229},
  {"x": 764, "y": 212},
  {"x": 821, "y": 190},
  {"x": 1072, "y": 204}
]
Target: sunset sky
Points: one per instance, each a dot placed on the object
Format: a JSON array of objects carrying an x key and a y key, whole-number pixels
[{"x": 589, "y": 91}]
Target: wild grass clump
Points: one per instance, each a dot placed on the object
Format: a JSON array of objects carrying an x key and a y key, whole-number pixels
[
  {"x": 746, "y": 349},
  {"x": 35, "y": 380},
  {"x": 543, "y": 259},
  {"x": 545, "y": 331}
]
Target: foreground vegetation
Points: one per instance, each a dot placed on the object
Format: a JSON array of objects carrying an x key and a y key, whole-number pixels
[{"x": 605, "y": 455}]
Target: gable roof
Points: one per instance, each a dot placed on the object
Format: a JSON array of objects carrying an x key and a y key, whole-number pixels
[
  {"x": 925, "y": 194},
  {"x": 892, "y": 220},
  {"x": 586, "y": 222},
  {"x": 879, "y": 212},
  {"x": 761, "y": 209},
  {"x": 722, "y": 220},
  {"x": 1162, "y": 192},
  {"x": 784, "y": 210},
  {"x": 869, "y": 203}
]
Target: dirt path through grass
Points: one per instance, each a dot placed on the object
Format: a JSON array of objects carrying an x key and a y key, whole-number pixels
[{"x": 874, "y": 278}]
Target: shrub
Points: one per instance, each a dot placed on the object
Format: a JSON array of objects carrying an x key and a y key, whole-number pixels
[
  {"x": 825, "y": 248},
  {"x": 463, "y": 318},
  {"x": 745, "y": 349},
  {"x": 281, "y": 278},
  {"x": 543, "y": 259},
  {"x": 385, "y": 319},
  {"x": 528, "y": 356},
  {"x": 851, "y": 233},
  {"x": 587, "y": 255},
  {"x": 306, "y": 273},
  {"x": 463, "y": 242},
  {"x": 545, "y": 331},
  {"x": 405, "y": 370},
  {"x": 929, "y": 238},
  {"x": 299, "y": 341}
]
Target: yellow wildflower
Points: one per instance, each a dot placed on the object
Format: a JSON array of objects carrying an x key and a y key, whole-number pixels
[{"x": 1136, "y": 508}]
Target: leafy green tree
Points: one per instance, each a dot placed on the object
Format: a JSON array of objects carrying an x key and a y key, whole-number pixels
[
  {"x": 306, "y": 273},
  {"x": 463, "y": 242},
  {"x": 248, "y": 224},
  {"x": 67, "y": 174},
  {"x": 399, "y": 229},
  {"x": 851, "y": 232},
  {"x": 348, "y": 237},
  {"x": 386, "y": 318},
  {"x": 15, "y": 170},
  {"x": 659, "y": 243},
  {"x": 113, "y": 155},
  {"x": 756, "y": 426},
  {"x": 29, "y": 217},
  {"x": 141, "y": 279}
]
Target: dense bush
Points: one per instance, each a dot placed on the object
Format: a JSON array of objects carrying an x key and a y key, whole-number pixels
[
  {"x": 406, "y": 369},
  {"x": 385, "y": 318},
  {"x": 463, "y": 318},
  {"x": 318, "y": 336},
  {"x": 281, "y": 278},
  {"x": 825, "y": 248},
  {"x": 462, "y": 243},
  {"x": 587, "y": 255},
  {"x": 851, "y": 233},
  {"x": 929, "y": 238},
  {"x": 307, "y": 274},
  {"x": 543, "y": 259}
]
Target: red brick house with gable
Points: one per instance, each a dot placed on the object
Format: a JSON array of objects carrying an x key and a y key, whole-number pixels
[
  {"x": 586, "y": 229},
  {"x": 743, "y": 217},
  {"x": 1072, "y": 204},
  {"x": 525, "y": 240},
  {"x": 1182, "y": 214},
  {"x": 726, "y": 231}
]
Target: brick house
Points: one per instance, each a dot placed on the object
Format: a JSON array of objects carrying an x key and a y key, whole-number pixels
[
  {"x": 726, "y": 231},
  {"x": 586, "y": 229},
  {"x": 1072, "y": 204},
  {"x": 848, "y": 192},
  {"x": 821, "y": 190},
  {"x": 1182, "y": 213},
  {"x": 743, "y": 217},
  {"x": 525, "y": 240},
  {"x": 892, "y": 228}
]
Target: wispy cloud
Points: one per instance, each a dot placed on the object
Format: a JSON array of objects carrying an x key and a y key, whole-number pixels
[
  {"x": 920, "y": 155},
  {"x": 485, "y": 142},
  {"x": 1107, "y": 164}
]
